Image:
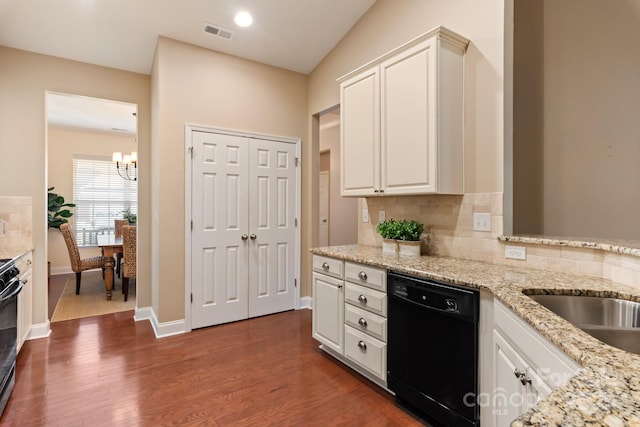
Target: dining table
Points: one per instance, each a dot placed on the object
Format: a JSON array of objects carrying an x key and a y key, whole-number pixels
[{"x": 110, "y": 245}]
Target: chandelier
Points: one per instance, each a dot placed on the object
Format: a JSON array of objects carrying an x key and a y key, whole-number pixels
[{"x": 127, "y": 165}]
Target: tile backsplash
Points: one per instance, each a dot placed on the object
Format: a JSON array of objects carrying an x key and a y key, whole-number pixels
[
  {"x": 449, "y": 231},
  {"x": 16, "y": 220}
]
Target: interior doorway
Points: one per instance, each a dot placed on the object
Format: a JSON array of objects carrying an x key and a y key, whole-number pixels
[
  {"x": 82, "y": 135},
  {"x": 337, "y": 216}
]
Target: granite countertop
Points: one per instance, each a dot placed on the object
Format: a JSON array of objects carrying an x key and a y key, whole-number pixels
[
  {"x": 628, "y": 247},
  {"x": 605, "y": 392},
  {"x": 13, "y": 253}
]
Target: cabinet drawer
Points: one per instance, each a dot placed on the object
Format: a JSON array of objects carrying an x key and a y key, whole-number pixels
[
  {"x": 365, "y": 298},
  {"x": 329, "y": 266},
  {"x": 366, "y": 351},
  {"x": 372, "y": 277},
  {"x": 366, "y": 322}
]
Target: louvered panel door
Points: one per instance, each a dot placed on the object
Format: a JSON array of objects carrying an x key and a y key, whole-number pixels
[
  {"x": 272, "y": 189},
  {"x": 220, "y": 218}
]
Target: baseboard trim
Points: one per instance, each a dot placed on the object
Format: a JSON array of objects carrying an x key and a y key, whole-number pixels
[
  {"x": 39, "y": 330},
  {"x": 58, "y": 271},
  {"x": 305, "y": 302},
  {"x": 162, "y": 330}
]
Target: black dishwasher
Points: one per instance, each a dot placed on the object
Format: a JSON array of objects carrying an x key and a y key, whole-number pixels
[{"x": 432, "y": 348}]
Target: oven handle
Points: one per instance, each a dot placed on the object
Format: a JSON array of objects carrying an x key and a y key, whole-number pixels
[{"x": 16, "y": 290}]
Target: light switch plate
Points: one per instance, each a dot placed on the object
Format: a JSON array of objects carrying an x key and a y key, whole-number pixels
[
  {"x": 515, "y": 252},
  {"x": 365, "y": 215},
  {"x": 481, "y": 222}
]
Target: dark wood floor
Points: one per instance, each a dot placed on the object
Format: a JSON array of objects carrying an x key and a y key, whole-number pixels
[{"x": 110, "y": 370}]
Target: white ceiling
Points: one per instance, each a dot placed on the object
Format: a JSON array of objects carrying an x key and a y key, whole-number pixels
[{"x": 122, "y": 34}]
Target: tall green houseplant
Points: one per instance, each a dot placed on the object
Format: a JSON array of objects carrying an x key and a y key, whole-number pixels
[{"x": 57, "y": 209}]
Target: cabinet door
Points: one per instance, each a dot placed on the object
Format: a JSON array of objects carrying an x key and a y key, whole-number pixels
[
  {"x": 509, "y": 395},
  {"x": 328, "y": 312},
  {"x": 24, "y": 308},
  {"x": 408, "y": 121},
  {"x": 360, "y": 134}
]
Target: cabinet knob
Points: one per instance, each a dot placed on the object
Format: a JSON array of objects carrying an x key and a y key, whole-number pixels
[
  {"x": 362, "y": 275},
  {"x": 362, "y": 346},
  {"x": 362, "y": 322},
  {"x": 325, "y": 266},
  {"x": 362, "y": 299},
  {"x": 522, "y": 376}
]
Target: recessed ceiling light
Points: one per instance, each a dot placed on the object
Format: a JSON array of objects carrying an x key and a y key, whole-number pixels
[{"x": 243, "y": 19}]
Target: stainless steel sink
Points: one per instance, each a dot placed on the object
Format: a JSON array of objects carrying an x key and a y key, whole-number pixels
[{"x": 611, "y": 320}]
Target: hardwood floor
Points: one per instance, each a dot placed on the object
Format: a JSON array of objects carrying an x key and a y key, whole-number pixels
[{"x": 110, "y": 370}]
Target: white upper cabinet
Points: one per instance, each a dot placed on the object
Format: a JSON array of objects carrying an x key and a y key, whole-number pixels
[{"x": 402, "y": 120}]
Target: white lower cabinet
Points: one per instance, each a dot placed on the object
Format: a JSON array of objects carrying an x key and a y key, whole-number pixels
[
  {"x": 526, "y": 367},
  {"x": 328, "y": 311},
  {"x": 350, "y": 314},
  {"x": 24, "y": 320}
]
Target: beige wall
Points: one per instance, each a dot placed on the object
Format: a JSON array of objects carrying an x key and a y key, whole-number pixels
[
  {"x": 343, "y": 211},
  {"x": 388, "y": 24},
  {"x": 195, "y": 85},
  {"x": 589, "y": 130},
  {"x": 24, "y": 79},
  {"x": 64, "y": 143}
]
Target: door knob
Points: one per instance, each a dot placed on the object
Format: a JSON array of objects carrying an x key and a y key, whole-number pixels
[
  {"x": 253, "y": 236},
  {"x": 244, "y": 237}
]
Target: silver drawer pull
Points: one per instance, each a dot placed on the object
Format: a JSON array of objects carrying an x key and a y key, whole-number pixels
[
  {"x": 362, "y": 322},
  {"x": 325, "y": 266},
  {"x": 362, "y": 275},
  {"x": 362, "y": 346},
  {"x": 362, "y": 299}
]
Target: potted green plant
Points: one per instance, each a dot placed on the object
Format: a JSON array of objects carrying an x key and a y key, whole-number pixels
[
  {"x": 402, "y": 236},
  {"x": 57, "y": 209},
  {"x": 131, "y": 218}
]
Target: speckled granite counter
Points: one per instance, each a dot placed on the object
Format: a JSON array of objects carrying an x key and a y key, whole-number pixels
[
  {"x": 628, "y": 247},
  {"x": 605, "y": 392},
  {"x": 12, "y": 253}
]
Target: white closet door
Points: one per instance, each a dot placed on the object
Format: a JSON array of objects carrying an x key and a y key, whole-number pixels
[
  {"x": 220, "y": 218},
  {"x": 272, "y": 207}
]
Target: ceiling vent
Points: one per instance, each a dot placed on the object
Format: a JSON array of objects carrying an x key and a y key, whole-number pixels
[{"x": 218, "y": 32}]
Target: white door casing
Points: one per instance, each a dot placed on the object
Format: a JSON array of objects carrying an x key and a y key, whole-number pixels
[
  {"x": 242, "y": 254},
  {"x": 323, "y": 226}
]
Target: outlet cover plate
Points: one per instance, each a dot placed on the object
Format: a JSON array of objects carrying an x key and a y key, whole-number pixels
[
  {"x": 365, "y": 215},
  {"x": 382, "y": 215},
  {"x": 515, "y": 252}
]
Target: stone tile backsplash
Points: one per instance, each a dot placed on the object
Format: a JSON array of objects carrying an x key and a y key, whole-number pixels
[
  {"x": 16, "y": 220},
  {"x": 449, "y": 231}
]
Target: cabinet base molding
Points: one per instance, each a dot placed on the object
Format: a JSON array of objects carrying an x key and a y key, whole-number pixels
[{"x": 358, "y": 369}]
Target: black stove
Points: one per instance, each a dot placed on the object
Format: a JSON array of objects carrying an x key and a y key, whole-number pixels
[
  {"x": 8, "y": 271},
  {"x": 10, "y": 287}
]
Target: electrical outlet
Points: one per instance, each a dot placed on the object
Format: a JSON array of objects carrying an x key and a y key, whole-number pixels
[
  {"x": 3, "y": 228},
  {"x": 515, "y": 252},
  {"x": 365, "y": 215},
  {"x": 481, "y": 222},
  {"x": 382, "y": 215}
]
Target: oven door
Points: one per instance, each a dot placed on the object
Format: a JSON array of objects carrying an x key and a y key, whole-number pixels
[{"x": 8, "y": 338}]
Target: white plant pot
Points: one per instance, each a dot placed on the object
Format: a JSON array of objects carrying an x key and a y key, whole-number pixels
[
  {"x": 408, "y": 248},
  {"x": 389, "y": 246}
]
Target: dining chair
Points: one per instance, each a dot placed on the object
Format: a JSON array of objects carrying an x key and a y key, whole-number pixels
[
  {"x": 129, "y": 257},
  {"x": 118, "y": 224},
  {"x": 78, "y": 265}
]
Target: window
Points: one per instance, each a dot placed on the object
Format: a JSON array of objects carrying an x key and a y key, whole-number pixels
[{"x": 100, "y": 195}]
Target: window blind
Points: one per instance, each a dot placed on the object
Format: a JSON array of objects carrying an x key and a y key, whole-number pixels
[{"x": 100, "y": 195}]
